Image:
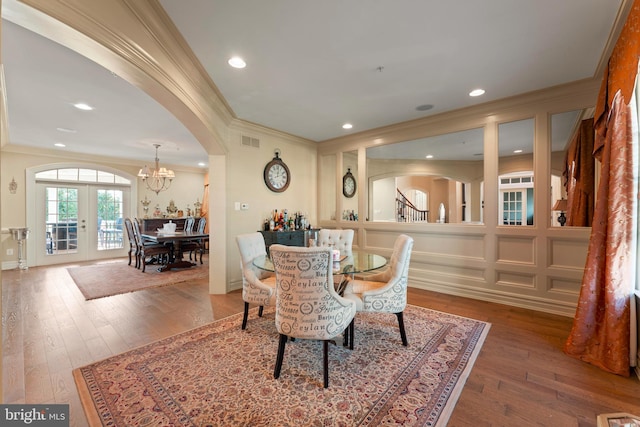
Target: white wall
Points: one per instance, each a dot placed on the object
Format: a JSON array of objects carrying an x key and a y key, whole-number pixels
[{"x": 245, "y": 184}]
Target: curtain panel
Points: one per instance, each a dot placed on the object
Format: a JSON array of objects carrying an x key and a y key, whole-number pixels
[
  {"x": 601, "y": 329},
  {"x": 579, "y": 175}
]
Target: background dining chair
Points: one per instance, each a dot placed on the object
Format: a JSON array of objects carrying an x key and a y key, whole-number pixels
[
  {"x": 258, "y": 286},
  {"x": 341, "y": 240},
  {"x": 386, "y": 291},
  {"x": 196, "y": 246},
  {"x": 146, "y": 249},
  {"x": 189, "y": 223},
  {"x": 307, "y": 305},
  {"x": 336, "y": 239},
  {"x": 133, "y": 245}
]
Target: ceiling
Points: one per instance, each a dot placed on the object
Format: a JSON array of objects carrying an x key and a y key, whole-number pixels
[{"x": 311, "y": 67}]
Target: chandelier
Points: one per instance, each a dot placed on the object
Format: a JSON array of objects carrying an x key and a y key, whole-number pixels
[{"x": 158, "y": 179}]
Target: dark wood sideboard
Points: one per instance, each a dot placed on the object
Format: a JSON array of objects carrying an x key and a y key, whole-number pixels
[
  {"x": 152, "y": 224},
  {"x": 289, "y": 238}
]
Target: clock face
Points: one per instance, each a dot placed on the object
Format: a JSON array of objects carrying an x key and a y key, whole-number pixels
[
  {"x": 348, "y": 185},
  {"x": 276, "y": 175}
]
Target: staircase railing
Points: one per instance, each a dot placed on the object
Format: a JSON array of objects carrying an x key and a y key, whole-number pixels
[{"x": 407, "y": 212}]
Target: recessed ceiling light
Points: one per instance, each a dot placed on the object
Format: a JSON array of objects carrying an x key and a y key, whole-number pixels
[
  {"x": 237, "y": 62},
  {"x": 476, "y": 92},
  {"x": 83, "y": 106},
  {"x": 347, "y": 126},
  {"x": 424, "y": 107},
  {"x": 67, "y": 130},
  {"x": 429, "y": 156},
  {"x": 517, "y": 151},
  {"x": 202, "y": 164},
  {"x": 59, "y": 144}
]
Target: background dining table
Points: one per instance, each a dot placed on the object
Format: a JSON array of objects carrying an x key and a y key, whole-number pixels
[{"x": 174, "y": 239}]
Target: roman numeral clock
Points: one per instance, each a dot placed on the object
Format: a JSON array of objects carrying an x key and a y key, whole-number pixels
[{"x": 276, "y": 174}]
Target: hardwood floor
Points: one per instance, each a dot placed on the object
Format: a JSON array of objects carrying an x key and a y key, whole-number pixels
[{"x": 521, "y": 376}]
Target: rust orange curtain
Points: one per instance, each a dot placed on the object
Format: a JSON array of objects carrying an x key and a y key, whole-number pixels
[
  {"x": 204, "y": 209},
  {"x": 579, "y": 176},
  {"x": 601, "y": 329}
]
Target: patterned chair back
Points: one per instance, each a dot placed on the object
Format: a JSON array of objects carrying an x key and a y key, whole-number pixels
[{"x": 307, "y": 305}]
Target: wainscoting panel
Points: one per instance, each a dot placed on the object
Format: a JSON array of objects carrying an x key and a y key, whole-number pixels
[
  {"x": 455, "y": 245},
  {"x": 540, "y": 269},
  {"x": 516, "y": 249},
  {"x": 566, "y": 286},
  {"x": 515, "y": 280},
  {"x": 453, "y": 270},
  {"x": 567, "y": 253},
  {"x": 458, "y": 245}
]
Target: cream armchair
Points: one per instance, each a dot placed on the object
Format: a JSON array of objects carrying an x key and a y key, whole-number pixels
[
  {"x": 336, "y": 239},
  {"x": 258, "y": 286},
  {"x": 385, "y": 292},
  {"x": 307, "y": 305}
]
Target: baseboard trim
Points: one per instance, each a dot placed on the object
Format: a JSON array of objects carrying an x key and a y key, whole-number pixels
[
  {"x": 561, "y": 308},
  {"x": 9, "y": 265}
]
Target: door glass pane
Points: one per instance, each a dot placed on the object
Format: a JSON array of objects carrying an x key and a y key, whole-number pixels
[
  {"x": 61, "y": 227},
  {"x": 512, "y": 208},
  {"x": 110, "y": 219}
]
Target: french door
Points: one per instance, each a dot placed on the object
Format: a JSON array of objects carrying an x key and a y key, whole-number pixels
[
  {"x": 78, "y": 222},
  {"x": 513, "y": 209}
]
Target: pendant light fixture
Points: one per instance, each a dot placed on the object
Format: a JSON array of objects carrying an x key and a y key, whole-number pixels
[{"x": 159, "y": 179}]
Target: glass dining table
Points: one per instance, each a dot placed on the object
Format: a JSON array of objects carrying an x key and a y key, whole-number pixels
[{"x": 355, "y": 262}]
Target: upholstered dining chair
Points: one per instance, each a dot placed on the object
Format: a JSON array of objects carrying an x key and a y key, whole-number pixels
[
  {"x": 341, "y": 240},
  {"x": 258, "y": 286},
  {"x": 386, "y": 291},
  {"x": 133, "y": 245},
  {"x": 146, "y": 249},
  {"x": 307, "y": 305}
]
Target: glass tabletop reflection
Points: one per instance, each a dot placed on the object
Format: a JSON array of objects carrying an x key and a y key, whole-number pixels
[{"x": 356, "y": 262}]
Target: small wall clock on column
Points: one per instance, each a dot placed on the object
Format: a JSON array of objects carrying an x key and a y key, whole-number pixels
[
  {"x": 276, "y": 174},
  {"x": 348, "y": 184}
]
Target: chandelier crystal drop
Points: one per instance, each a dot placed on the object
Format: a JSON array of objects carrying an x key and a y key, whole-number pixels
[{"x": 159, "y": 179}]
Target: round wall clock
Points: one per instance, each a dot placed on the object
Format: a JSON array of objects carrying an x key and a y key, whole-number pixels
[
  {"x": 348, "y": 184},
  {"x": 276, "y": 175}
]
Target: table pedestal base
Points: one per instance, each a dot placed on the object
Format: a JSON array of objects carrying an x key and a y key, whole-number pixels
[{"x": 176, "y": 264}]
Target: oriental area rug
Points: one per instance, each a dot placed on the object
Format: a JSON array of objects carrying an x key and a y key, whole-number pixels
[
  {"x": 117, "y": 277},
  {"x": 219, "y": 375}
]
